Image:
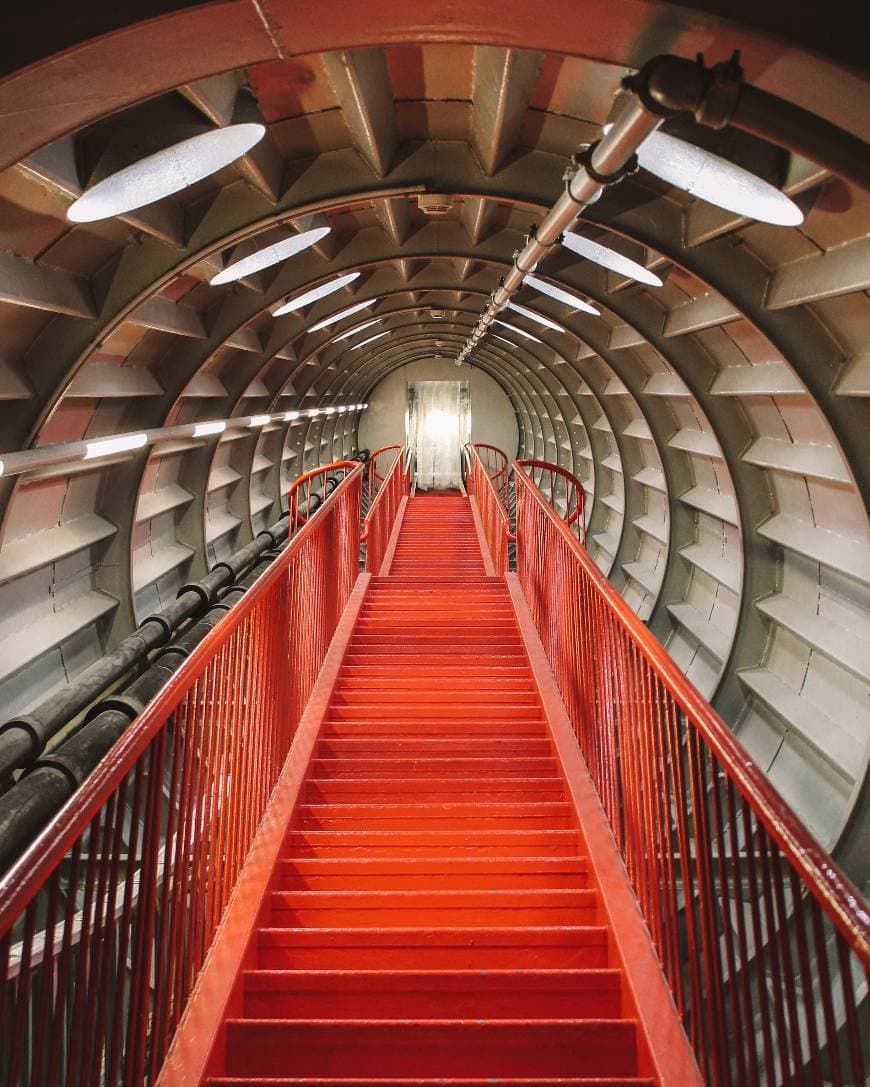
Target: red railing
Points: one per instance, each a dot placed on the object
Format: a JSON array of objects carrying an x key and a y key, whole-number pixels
[
  {"x": 563, "y": 490},
  {"x": 493, "y": 514},
  {"x": 379, "y": 464},
  {"x": 381, "y": 515},
  {"x": 106, "y": 920},
  {"x": 498, "y": 468},
  {"x": 309, "y": 492},
  {"x": 764, "y": 942}
]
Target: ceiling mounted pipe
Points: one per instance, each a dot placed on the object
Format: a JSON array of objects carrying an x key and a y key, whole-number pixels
[
  {"x": 606, "y": 162},
  {"x": 717, "y": 96}
]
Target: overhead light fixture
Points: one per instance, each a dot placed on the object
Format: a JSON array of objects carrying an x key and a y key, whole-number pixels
[
  {"x": 271, "y": 254},
  {"x": 519, "y": 331},
  {"x": 532, "y": 316},
  {"x": 340, "y": 316},
  {"x": 608, "y": 258},
  {"x": 107, "y": 447},
  {"x": 164, "y": 173},
  {"x": 202, "y": 430},
  {"x": 289, "y": 416},
  {"x": 359, "y": 328},
  {"x": 316, "y": 294},
  {"x": 313, "y": 412},
  {"x": 371, "y": 339},
  {"x": 259, "y": 420},
  {"x": 561, "y": 296},
  {"x": 329, "y": 411},
  {"x": 716, "y": 180}
]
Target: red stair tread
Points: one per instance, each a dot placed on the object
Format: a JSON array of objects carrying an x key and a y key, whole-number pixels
[
  {"x": 309, "y": 1081},
  {"x": 432, "y": 918},
  {"x": 439, "y": 1047}
]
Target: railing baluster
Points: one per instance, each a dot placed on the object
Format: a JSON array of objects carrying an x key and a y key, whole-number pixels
[
  {"x": 696, "y": 820},
  {"x": 105, "y": 922}
]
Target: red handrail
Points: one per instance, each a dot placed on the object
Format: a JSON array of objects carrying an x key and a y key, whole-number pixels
[
  {"x": 374, "y": 477},
  {"x": 493, "y": 515},
  {"x": 107, "y": 918},
  {"x": 312, "y": 488},
  {"x": 382, "y": 512},
  {"x": 752, "y": 920},
  {"x": 374, "y": 474},
  {"x": 497, "y": 465},
  {"x": 575, "y": 493}
]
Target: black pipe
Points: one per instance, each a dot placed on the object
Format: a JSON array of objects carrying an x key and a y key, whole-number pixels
[
  {"x": 23, "y": 738},
  {"x": 804, "y": 133},
  {"x": 28, "y": 806},
  {"x": 718, "y": 96}
]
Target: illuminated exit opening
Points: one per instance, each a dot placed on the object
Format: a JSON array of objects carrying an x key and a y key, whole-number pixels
[{"x": 438, "y": 421}]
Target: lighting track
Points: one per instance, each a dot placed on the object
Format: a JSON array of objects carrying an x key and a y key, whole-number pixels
[{"x": 50, "y": 456}]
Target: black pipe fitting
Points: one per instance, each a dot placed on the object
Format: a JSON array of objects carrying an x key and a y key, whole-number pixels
[
  {"x": 718, "y": 96},
  {"x": 23, "y": 738},
  {"x": 26, "y": 808},
  {"x": 210, "y": 585}
]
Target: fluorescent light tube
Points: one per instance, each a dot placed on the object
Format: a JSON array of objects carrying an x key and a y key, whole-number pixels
[
  {"x": 519, "y": 331},
  {"x": 269, "y": 255},
  {"x": 371, "y": 339},
  {"x": 609, "y": 258},
  {"x": 202, "y": 430},
  {"x": 164, "y": 173},
  {"x": 316, "y": 293},
  {"x": 106, "y": 447},
  {"x": 716, "y": 180},
  {"x": 561, "y": 296},
  {"x": 532, "y": 316},
  {"x": 359, "y": 328}
]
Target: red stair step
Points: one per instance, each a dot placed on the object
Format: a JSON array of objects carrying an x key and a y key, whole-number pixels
[
  {"x": 431, "y": 1048},
  {"x": 415, "y": 994}
]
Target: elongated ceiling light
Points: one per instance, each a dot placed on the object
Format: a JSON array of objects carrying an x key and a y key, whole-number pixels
[
  {"x": 106, "y": 447},
  {"x": 359, "y": 328},
  {"x": 63, "y": 453},
  {"x": 215, "y": 426},
  {"x": 371, "y": 339},
  {"x": 316, "y": 294},
  {"x": 519, "y": 331},
  {"x": 164, "y": 173},
  {"x": 340, "y": 316},
  {"x": 716, "y": 180},
  {"x": 608, "y": 258},
  {"x": 561, "y": 296},
  {"x": 532, "y": 316},
  {"x": 269, "y": 255}
]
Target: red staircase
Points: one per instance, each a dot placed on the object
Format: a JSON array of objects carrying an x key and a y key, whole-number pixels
[{"x": 432, "y": 918}]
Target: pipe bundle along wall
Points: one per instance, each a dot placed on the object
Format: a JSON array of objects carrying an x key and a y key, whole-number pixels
[{"x": 27, "y": 807}]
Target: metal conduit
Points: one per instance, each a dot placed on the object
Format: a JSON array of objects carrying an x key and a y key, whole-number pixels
[
  {"x": 607, "y": 162},
  {"x": 664, "y": 87}
]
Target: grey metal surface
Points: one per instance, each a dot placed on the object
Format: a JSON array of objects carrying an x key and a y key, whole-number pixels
[{"x": 719, "y": 422}]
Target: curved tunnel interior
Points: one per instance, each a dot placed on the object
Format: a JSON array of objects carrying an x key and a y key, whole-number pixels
[{"x": 718, "y": 421}]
